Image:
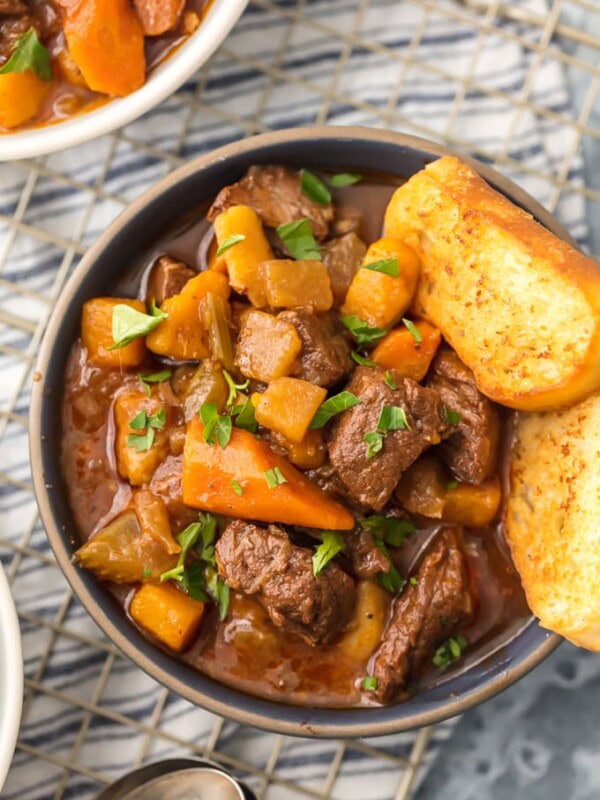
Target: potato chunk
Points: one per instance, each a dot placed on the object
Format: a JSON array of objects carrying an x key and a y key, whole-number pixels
[
  {"x": 310, "y": 453},
  {"x": 182, "y": 336},
  {"x": 137, "y": 465},
  {"x": 364, "y": 632},
  {"x": 243, "y": 259},
  {"x": 96, "y": 333},
  {"x": 400, "y": 350},
  {"x": 377, "y": 298},
  {"x": 267, "y": 346},
  {"x": 288, "y": 406},
  {"x": 292, "y": 284},
  {"x": 168, "y": 614}
]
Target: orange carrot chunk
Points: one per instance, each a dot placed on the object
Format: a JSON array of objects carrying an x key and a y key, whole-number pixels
[
  {"x": 168, "y": 614},
  {"x": 401, "y": 351},
  {"x": 272, "y": 490}
]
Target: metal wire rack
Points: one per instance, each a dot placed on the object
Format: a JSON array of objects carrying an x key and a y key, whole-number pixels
[{"x": 374, "y": 62}]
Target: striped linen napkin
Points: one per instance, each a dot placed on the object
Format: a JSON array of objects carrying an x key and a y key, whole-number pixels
[{"x": 313, "y": 75}]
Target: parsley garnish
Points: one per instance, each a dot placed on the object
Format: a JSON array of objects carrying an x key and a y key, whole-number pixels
[
  {"x": 128, "y": 324},
  {"x": 230, "y": 241},
  {"x": 216, "y": 426},
  {"x": 147, "y": 573},
  {"x": 392, "y": 418},
  {"x": 413, "y": 581},
  {"x": 220, "y": 592},
  {"x": 205, "y": 530},
  {"x": 193, "y": 581},
  {"x": 147, "y": 378},
  {"x": 452, "y": 485},
  {"x": 450, "y": 651},
  {"x": 332, "y": 543},
  {"x": 274, "y": 477},
  {"x": 237, "y": 487},
  {"x": 148, "y": 422},
  {"x": 299, "y": 239},
  {"x": 369, "y": 683},
  {"x": 450, "y": 417},
  {"x": 362, "y": 331},
  {"x": 393, "y": 531},
  {"x": 364, "y": 362},
  {"x": 392, "y": 581},
  {"x": 234, "y": 387},
  {"x": 388, "y": 266},
  {"x": 413, "y": 330},
  {"x": 334, "y": 405},
  {"x": 344, "y": 179},
  {"x": 29, "y": 54},
  {"x": 390, "y": 380},
  {"x": 374, "y": 441},
  {"x": 313, "y": 187},
  {"x": 245, "y": 417}
]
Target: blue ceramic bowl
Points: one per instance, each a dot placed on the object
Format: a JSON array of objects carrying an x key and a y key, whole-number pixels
[{"x": 195, "y": 184}]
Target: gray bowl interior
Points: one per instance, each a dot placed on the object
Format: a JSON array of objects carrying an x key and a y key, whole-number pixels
[{"x": 133, "y": 233}]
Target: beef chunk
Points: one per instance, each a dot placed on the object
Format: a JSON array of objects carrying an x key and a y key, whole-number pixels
[
  {"x": 342, "y": 257},
  {"x": 471, "y": 451},
  {"x": 423, "y": 617},
  {"x": 265, "y": 562},
  {"x": 366, "y": 559},
  {"x": 12, "y": 7},
  {"x": 275, "y": 194},
  {"x": 325, "y": 356},
  {"x": 167, "y": 277},
  {"x": 372, "y": 481}
]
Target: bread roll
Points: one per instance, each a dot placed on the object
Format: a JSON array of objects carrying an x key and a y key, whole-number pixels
[
  {"x": 520, "y": 306},
  {"x": 552, "y": 518}
]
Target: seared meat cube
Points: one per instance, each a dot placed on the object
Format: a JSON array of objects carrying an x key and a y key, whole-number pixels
[
  {"x": 275, "y": 194},
  {"x": 167, "y": 277},
  {"x": 371, "y": 481},
  {"x": 423, "y": 616},
  {"x": 342, "y": 257},
  {"x": 471, "y": 451},
  {"x": 325, "y": 356},
  {"x": 366, "y": 559},
  {"x": 265, "y": 562},
  {"x": 12, "y": 7}
]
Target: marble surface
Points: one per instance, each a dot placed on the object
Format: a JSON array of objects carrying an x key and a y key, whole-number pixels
[{"x": 539, "y": 740}]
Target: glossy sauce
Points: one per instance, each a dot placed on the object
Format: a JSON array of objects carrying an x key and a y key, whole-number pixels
[{"x": 246, "y": 650}]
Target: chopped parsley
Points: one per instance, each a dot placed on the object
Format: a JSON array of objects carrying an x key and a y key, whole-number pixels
[
  {"x": 450, "y": 651},
  {"x": 230, "y": 241},
  {"x": 244, "y": 417},
  {"x": 217, "y": 427},
  {"x": 369, "y": 683},
  {"x": 313, "y": 187},
  {"x": 237, "y": 487},
  {"x": 374, "y": 441},
  {"x": 29, "y": 54},
  {"x": 393, "y": 531},
  {"x": 364, "y": 362},
  {"x": 413, "y": 330},
  {"x": 390, "y": 380},
  {"x": 413, "y": 581},
  {"x": 334, "y": 405},
  {"x": 299, "y": 239},
  {"x": 332, "y": 543},
  {"x": 362, "y": 331},
  {"x": 149, "y": 423},
  {"x": 147, "y": 573},
  {"x": 344, "y": 179},
  {"x": 392, "y": 581},
  {"x": 452, "y": 485},
  {"x": 128, "y": 324},
  {"x": 449, "y": 416},
  {"x": 274, "y": 477},
  {"x": 387, "y": 266},
  {"x": 234, "y": 387},
  {"x": 146, "y": 378},
  {"x": 392, "y": 418}
]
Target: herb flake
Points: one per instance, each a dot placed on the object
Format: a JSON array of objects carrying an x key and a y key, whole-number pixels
[
  {"x": 362, "y": 331},
  {"x": 413, "y": 330},
  {"x": 393, "y": 531},
  {"x": 450, "y": 417},
  {"x": 29, "y": 54},
  {"x": 313, "y": 187},
  {"x": 392, "y": 418},
  {"x": 146, "y": 378},
  {"x": 361, "y": 360},
  {"x": 451, "y": 650},
  {"x": 245, "y": 417},
  {"x": 387, "y": 266},
  {"x": 299, "y": 239},
  {"x": 374, "y": 441},
  {"x": 344, "y": 179},
  {"x": 274, "y": 477},
  {"x": 332, "y": 543},
  {"x": 217, "y": 427},
  {"x": 229, "y": 242},
  {"x": 390, "y": 380},
  {"x": 334, "y": 405},
  {"x": 369, "y": 683},
  {"x": 234, "y": 387},
  {"x": 128, "y": 324},
  {"x": 237, "y": 487}
]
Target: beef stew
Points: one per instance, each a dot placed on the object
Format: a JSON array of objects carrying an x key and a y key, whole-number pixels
[{"x": 262, "y": 479}]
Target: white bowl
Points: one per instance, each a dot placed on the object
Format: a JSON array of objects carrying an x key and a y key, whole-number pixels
[
  {"x": 162, "y": 81},
  {"x": 11, "y": 677}
]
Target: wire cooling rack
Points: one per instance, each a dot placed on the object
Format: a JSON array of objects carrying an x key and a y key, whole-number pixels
[{"x": 514, "y": 83}]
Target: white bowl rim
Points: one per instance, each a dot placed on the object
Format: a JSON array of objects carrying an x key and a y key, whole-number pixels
[
  {"x": 11, "y": 677},
  {"x": 162, "y": 82}
]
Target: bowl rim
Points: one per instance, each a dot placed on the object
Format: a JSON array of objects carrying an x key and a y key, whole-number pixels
[
  {"x": 11, "y": 676},
  {"x": 269, "y": 715},
  {"x": 162, "y": 82}
]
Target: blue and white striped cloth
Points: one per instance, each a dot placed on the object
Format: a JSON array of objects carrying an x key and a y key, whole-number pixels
[{"x": 313, "y": 75}]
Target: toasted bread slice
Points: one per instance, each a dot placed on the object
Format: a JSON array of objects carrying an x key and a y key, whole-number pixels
[
  {"x": 552, "y": 518},
  {"x": 520, "y": 306}
]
